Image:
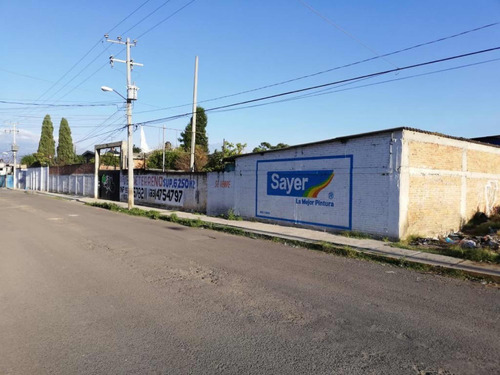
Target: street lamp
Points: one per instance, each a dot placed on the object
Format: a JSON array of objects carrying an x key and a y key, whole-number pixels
[
  {"x": 109, "y": 89},
  {"x": 129, "y": 145}
]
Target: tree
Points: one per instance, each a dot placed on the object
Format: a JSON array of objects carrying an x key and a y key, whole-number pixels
[
  {"x": 65, "y": 152},
  {"x": 47, "y": 145},
  {"x": 136, "y": 150},
  {"x": 30, "y": 160},
  {"x": 216, "y": 159},
  {"x": 266, "y": 146},
  {"x": 110, "y": 159},
  {"x": 155, "y": 159},
  {"x": 200, "y": 159},
  {"x": 201, "y": 134}
]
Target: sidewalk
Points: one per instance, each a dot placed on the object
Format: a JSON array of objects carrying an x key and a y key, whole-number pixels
[{"x": 368, "y": 246}]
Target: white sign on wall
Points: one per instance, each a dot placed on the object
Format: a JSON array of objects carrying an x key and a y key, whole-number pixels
[
  {"x": 314, "y": 190},
  {"x": 158, "y": 189}
]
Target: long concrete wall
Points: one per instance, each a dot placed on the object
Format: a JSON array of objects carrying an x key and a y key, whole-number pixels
[
  {"x": 34, "y": 179},
  {"x": 444, "y": 182},
  {"x": 221, "y": 192},
  {"x": 82, "y": 185},
  {"x": 349, "y": 184},
  {"x": 185, "y": 191},
  {"x": 43, "y": 179}
]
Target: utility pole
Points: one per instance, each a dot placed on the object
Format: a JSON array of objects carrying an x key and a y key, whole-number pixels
[
  {"x": 14, "y": 149},
  {"x": 163, "y": 165},
  {"x": 131, "y": 95},
  {"x": 193, "y": 122}
]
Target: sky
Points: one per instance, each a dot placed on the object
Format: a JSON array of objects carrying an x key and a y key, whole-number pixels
[{"x": 54, "y": 59}]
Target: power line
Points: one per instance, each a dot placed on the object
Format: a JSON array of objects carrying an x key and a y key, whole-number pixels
[
  {"x": 80, "y": 72},
  {"x": 83, "y": 57},
  {"x": 101, "y": 67},
  {"x": 165, "y": 19},
  {"x": 59, "y": 105},
  {"x": 332, "y": 69},
  {"x": 146, "y": 17},
  {"x": 25, "y": 75},
  {"x": 70, "y": 69},
  {"x": 332, "y": 90},
  {"x": 96, "y": 128},
  {"x": 127, "y": 17},
  {"x": 329, "y": 84},
  {"x": 98, "y": 135},
  {"x": 330, "y": 22}
]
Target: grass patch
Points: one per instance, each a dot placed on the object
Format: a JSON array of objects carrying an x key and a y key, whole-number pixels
[
  {"x": 456, "y": 251},
  {"x": 231, "y": 215},
  {"x": 355, "y": 234},
  {"x": 344, "y": 251},
  {"x": 477, "y": 255},
  {"x": 481, "y": 225}
]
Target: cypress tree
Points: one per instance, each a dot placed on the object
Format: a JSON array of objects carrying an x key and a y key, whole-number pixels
[
  {"x": 47, "y": 145},
  {"x": 201, "y": 134},
  {"x": 65, "y": 153}
]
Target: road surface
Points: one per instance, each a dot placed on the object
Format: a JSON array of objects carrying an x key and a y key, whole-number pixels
[{"x": 88, "y": 291}]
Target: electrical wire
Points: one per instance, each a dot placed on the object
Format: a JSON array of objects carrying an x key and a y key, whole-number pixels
[
  {"x": 146, "y": 17},
  {"x": 328, "y": 84},
  {"x": 98, "y": 127},
  {"x": 165, "y": 19},
  {"x": 59, "y": 105},
  {"x": 83, "y": 57},
  {"x": 331, "y": 69},
  {"x": 333, "y": 90},
  {"x": 127, "y": 17},
  {"x": 98, "y": 135},
  {"x": 330, "y": 22}
]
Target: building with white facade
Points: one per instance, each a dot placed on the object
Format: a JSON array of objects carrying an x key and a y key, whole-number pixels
[{"x": 393, "y": 183}]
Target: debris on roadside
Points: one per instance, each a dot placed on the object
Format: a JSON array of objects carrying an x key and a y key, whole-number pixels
[
  {"x": 490, "y": 242},
  {"x": 479, "y": 234}
]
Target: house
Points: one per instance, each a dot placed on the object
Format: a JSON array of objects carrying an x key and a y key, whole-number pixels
[{"x": 88, "y": 156}]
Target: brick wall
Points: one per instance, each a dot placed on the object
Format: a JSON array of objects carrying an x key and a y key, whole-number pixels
[
  {"x": 434, "y": 204},
  {"x": 447, "y": 181},
  {"x": 72, "y": 169},
  {"x": 435, "y": 156}
]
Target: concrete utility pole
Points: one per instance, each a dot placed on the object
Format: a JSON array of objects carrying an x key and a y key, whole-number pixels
[
  {"x": 163, "y": 165},
  {"x": 131, "y": 95},
  {"x": 193, "y": 124},
  {"x": 14, "y": 149}
]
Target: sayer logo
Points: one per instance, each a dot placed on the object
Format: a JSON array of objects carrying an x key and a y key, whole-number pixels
[{"x": 298, "y": 183}]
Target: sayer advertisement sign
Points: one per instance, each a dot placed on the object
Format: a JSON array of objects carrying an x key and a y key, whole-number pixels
[
  {"x": 314, "y": 191},
  {"x": 158, "y": 189}
]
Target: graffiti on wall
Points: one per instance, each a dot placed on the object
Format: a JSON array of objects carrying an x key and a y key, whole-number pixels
[
  {"x": 314, "y": 191},
  {"x": 107, "y": 184},
  {"x": 155, "y": 189}
]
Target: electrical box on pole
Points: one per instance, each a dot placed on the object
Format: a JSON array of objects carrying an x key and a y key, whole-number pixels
[{"x": 131, "y": 96}]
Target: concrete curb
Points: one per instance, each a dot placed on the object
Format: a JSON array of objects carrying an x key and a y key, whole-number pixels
[{"x": 366, "y": 246}]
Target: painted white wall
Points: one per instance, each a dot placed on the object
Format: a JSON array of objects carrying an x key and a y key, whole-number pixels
[
  {"x": 370, "y": 205},
  {"x": 81, "y": 185},
  {"x": 36, "y": 178},
  {"x": 221, "y": 192}
]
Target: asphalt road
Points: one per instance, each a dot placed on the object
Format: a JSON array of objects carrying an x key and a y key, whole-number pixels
[{"x": 88, "y": 291}]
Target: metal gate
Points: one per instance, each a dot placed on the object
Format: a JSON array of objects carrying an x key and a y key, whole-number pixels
[{"x": 109, "y": 185}]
